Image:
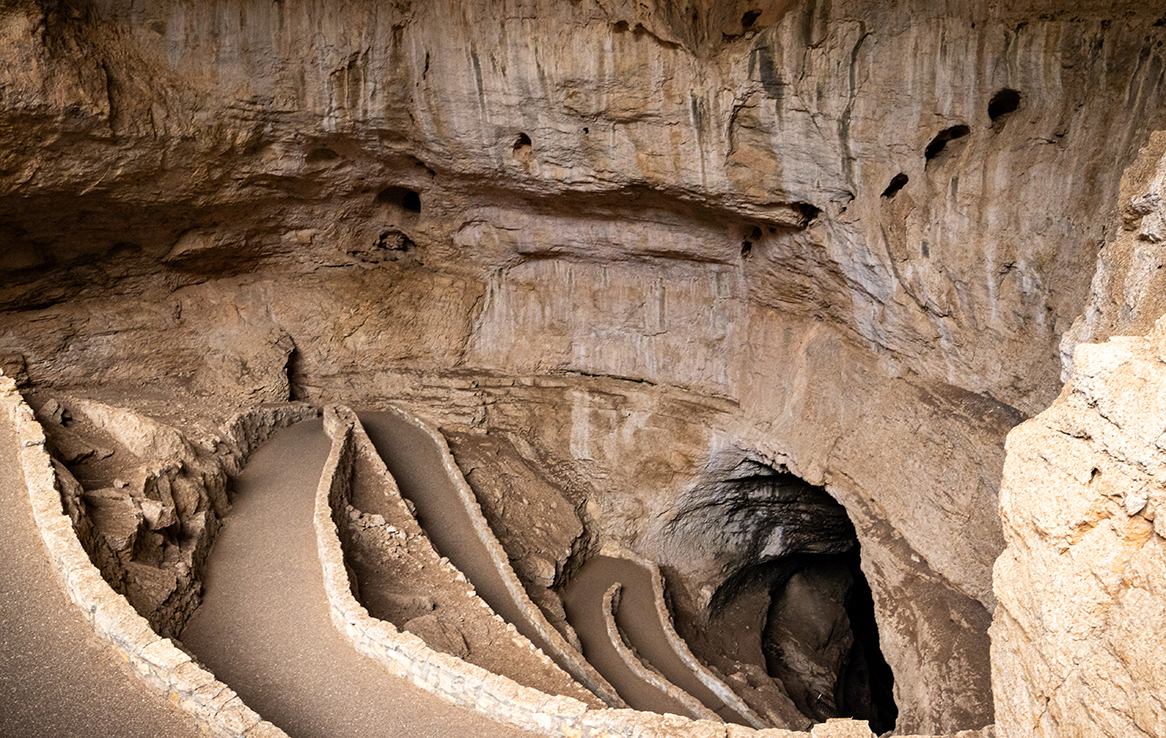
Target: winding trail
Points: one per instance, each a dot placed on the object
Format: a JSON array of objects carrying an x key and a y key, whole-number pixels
[
  {"x": 637, "y": 618},
  {"x": 416, "y": 464},
  {"x": 264, "y": 626},
  {"x": 56, "y": 677},
  {"x": 583, "y": 599}
]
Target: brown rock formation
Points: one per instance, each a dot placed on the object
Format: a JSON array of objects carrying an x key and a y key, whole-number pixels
[
  {"x": 1077, "y": 637},
  {"x": 840, "y": 239}
]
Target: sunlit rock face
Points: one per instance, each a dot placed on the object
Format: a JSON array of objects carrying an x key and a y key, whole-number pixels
[
  {"x": 842, "y": 239},
  {"x": 1076, "y": 634}
]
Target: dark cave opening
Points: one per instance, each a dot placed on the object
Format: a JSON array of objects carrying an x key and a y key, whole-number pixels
[
  {"x": 1002, "y": 103},
  {"x": 822, "y": 643},
  {"x": 793, "y": 598},
  {"x": 939, "y": 143},
  {"x": 402, "y": 198}
]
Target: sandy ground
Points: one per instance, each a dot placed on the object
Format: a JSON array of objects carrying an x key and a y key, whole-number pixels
[
  {"x": 56, "y": 677},
  {"x": 264, "y": 628}
]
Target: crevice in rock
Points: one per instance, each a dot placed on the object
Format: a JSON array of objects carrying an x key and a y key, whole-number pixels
[
  {"x": 402, "y": 198},
  {"x": 320, "y": 155},
  {"x": 939, "y": 143},
  {"x": 523, "y": 152},
  {"x": 897, "y": 183}
]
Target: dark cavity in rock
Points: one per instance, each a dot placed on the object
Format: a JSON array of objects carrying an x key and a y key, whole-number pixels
[
  {"x": 401, "y": 197},
  {"x": 789, "y": 549},
  {"x": 1002, "y": 103},
  {"x": 939, "y": 143},
  {"x": 897, "y": 183}
]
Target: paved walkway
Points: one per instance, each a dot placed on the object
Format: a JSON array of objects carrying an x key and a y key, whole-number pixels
[
  {"x": 264, "y": 627},
  {"x": 417, "y": 466},
  {"x": 56, "y": 677},
  {"x": 638, "y": 619}
]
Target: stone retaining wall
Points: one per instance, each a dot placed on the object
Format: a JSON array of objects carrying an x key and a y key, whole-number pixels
[
  {"x": 156, "y": 660},
  {"x": 644, "y": 671},
  {"x": 220, "y": 711},
  {"x": 564, "y": 654},
  {"x": 679, "y": 647}
]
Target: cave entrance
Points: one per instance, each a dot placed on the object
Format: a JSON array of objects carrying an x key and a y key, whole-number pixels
[
  {"x": 792, "y": 600},
  {"x": 821, "y": 642}
]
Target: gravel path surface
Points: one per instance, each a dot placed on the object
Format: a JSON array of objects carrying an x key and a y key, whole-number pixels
[
  {"x": 56, "y": 677},
  {"x": 264, "y": 628}
]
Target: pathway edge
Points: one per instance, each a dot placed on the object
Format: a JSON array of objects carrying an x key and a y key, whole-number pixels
[{"x": 155, "y": 660}]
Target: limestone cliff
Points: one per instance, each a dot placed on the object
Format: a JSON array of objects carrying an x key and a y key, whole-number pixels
[
  {"x": 838, "y": 238},
  {"x": 1077, "y": 639}
]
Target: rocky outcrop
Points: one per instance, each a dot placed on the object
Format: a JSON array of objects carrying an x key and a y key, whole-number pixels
[
  {"x": 145, "y": 500},
  {"x": 1076, "y": 639}
]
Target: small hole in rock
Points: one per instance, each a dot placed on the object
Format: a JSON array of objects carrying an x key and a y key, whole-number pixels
[
  {"x": 586, "y": 130},
  {"x": 755, "y": 234},
  {"x": 749, "y": 19},
  {"x": 524, "y": 151},
  {"x": 937, "y": 145},
  {"x": 746, "y": 249},
  {"x": 322, "y": 154},
  {"x": 1002, "y": 103},
  {"x": 897, "y": 183},
  {"x": 807, "y": 211},
  {"x": 401, "y": 197}
]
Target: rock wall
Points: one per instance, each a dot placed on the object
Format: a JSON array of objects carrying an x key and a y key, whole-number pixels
[
  {"x": 157, "y": 661},
  {"x": 1079, "y": 631},
  {"x": 843, "y": 238},
  {"x": 1075, "y": 638}
]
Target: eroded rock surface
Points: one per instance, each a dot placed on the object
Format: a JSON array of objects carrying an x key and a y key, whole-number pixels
[
  {"x": 1078, "y": 639},
  {"x": 842, "y": 238}
]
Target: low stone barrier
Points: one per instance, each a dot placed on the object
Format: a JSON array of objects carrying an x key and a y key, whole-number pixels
[
  {"x": 160, "y": 664},
  {"x": 466, "y": 685},
  {"x": 564, "y": 654},
  {"x": 679, "y": 647},
  {"x": 156, "y": 660},
  {"x": 644, "y": 671}
]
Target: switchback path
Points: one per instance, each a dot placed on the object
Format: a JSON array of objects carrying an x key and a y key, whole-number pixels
[
  {"x": 417, "y": 466},
  {"x": 264, "y": 627},
  {"x": 638, "y": 618},
  {"x": 56, "y": 677}
]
